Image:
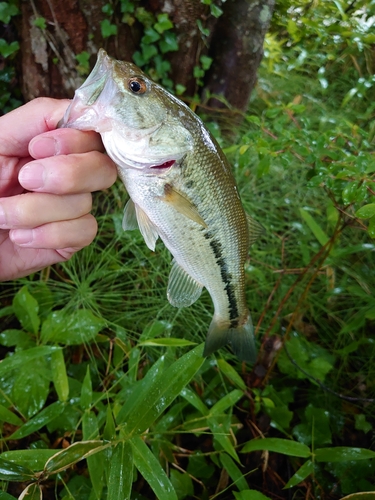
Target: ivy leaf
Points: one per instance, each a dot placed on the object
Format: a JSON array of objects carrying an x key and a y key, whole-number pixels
[{"x": 107, "y": 28}]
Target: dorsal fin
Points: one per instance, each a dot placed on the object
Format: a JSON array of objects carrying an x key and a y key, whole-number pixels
[{"x": 255, "y": 229}]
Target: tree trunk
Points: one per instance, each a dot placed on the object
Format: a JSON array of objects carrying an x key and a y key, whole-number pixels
[{"x": 53, "y": 32}]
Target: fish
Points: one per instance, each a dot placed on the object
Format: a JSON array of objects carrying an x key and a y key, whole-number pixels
[{"x": 181, "y": 188}]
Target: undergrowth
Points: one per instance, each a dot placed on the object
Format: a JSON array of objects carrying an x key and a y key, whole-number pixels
[{"x": 103, "y": 389}]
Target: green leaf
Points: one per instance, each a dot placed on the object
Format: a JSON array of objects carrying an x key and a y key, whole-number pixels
[
  {"x": 222, "y": 436},
  {"x": 167, "y": 342},
  {"x": 215, "y": 10},
  {"x": 107, "y": 28},
  {"x": 234, "y": 472},
  {"x": 369, "y": 495},
  {"x": 32, "y": 492},
  {"x": 343, "y": 454},
  {"x": 168, "y": 43},
  {"x": 22, "y": 357},
  {"x": 6, "y": 496},
  {"x": 90, "y": 431},
  {"x": 7, "y": 11},
  {"x": 121, "y": 472},
  {"x": 9, "y": 417},
  {"x": 150, "y": 468},
  {"x": 361, "y": 423},
  {"x": 182, "y": 483},
  {"x": 73, "y": 454},
  {"x": 278, "y": 445},
  {"x": 371, "y": 227},
  {"x": 366, "y": 211},
  {"x": 26, "y": 309},
  {"x": 19, "y": 338},
  {"x": 43, "y": 418},
  {"x": 194, "y": 400},
  {"x": 10, "y": 471},
  {"x": 231, "y": 373},
  {"x": 314, "y": 227},
  {"x": 71, "y": 328},
  {"x": 7, "y": 49},
  {"x": 228, "y": 401},
  {"x": 163, "y": 24},
  {"x": 34, "y": 459},
  {"x": 40, "y": 23},
  {"x": 86, "y": 391},
  {"x": 250, "y": 495},
  {"x": 161, "y": 392},
  {"x": 59, "y": 375},
  {"x": 305, "y": 470}
]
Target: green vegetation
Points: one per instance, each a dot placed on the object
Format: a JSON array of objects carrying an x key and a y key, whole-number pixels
[{"x": 103, "y": 390}]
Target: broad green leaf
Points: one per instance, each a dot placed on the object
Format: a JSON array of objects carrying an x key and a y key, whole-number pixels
[
  {"x": 31, "y": 387},
  {"x": 150, "y": 468},
  {"x": 343, "y": 454},
  {"x": 121, "y": 472},
  {"x": 278, "y": 445},
  {"x": 26, "y": 309},
  {"x": 10, "y": 338},
  {"x": 22, "y": 357},
  {"x": 231, "y": 373},
  {"x": 9, "y": 417},
  {"x": 90, "y": 431},
  {"x": 167, "y": 342},
  {"x": 10, "y": 471},
  {"x": 222, "y": 436},
  {"x": 32, "y": 492},
  {"x": 314, "y": 227},
  {"x": 361, "y": 423},
  {"x": 31, "y": 459},
  {"x": 250, "y": 495},
  {"x": 305, "y": 470},
  {"x": 59, "y": 375},
  {"x": 109, "y": 432},
  {"x": 43, "y": 418},
  {"x": 228, "y": 401},
  {"x": 86, "y": 391},
  {"x": 182, "y": 483},
  {"x": 71, "y": 328},
  {"x": 366, "y": 211},
  {"x": 73, "y": 454},
  {"x": 162, "y": 391},
  {"x": 234, "y": 472},
  {"x": 6, "y": 496}
]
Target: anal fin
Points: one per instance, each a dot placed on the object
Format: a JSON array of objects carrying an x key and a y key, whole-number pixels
[{"x": 183, "y": 290}]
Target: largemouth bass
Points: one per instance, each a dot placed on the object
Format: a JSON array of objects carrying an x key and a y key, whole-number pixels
[{"x": 181, "y": 189}]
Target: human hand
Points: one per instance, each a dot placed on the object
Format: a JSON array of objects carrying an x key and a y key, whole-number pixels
[{"x": 46, "y": 179}]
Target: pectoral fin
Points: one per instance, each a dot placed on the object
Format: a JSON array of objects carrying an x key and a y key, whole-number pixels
[
  {"x": 183, "y": 290},
  {"x": 255, "y": 229},
  {"x": 134, "y": 218},
  {"x": 182, "y": 204},
  {"x": 129, "y": 221}
]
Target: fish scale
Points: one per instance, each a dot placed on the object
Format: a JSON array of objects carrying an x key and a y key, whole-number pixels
[{"x": 181, "y": 189}]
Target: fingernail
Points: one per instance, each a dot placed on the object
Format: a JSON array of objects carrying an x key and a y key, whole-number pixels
[
  {"x": 21, "y": 236},
  {"x": 3, "y": 219},
  {"x": 32, "y": 176},
  {"x": 42, "y": 147}
]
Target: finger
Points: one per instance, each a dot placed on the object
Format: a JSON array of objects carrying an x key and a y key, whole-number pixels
[
  {"x": 64, "y": 141},
  {"x": 22, "y": 124},
  {"x": 34, "y": 209},
  {"x": 74, "y": 234},
  {"x": 75, "y": 173}
]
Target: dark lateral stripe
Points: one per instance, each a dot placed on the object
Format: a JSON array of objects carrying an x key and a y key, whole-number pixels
[{"x": 226, "y": 278}]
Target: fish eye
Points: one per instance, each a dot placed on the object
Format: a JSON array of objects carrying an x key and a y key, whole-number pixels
[{"x": 137, "y": 86}]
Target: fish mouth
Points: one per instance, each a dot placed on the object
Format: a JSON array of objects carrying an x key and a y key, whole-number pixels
[{"x": 81, "y": 113}]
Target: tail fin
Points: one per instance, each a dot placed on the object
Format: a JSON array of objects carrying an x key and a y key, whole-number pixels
[{"x": 241, "y": 340}]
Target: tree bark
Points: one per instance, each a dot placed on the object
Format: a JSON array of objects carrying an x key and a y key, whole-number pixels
[
  {"x": 237, "y": 50},
  {"x": 235, "y": 40}
]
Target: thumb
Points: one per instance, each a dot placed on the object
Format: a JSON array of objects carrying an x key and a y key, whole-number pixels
[{"x": 22, "y": 124}]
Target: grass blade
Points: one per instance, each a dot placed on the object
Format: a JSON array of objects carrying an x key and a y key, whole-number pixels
[
  {"x": 151, "y": 470},
  {"x": 121, "y": 472},
  {"x": 278, "y": 445}
]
